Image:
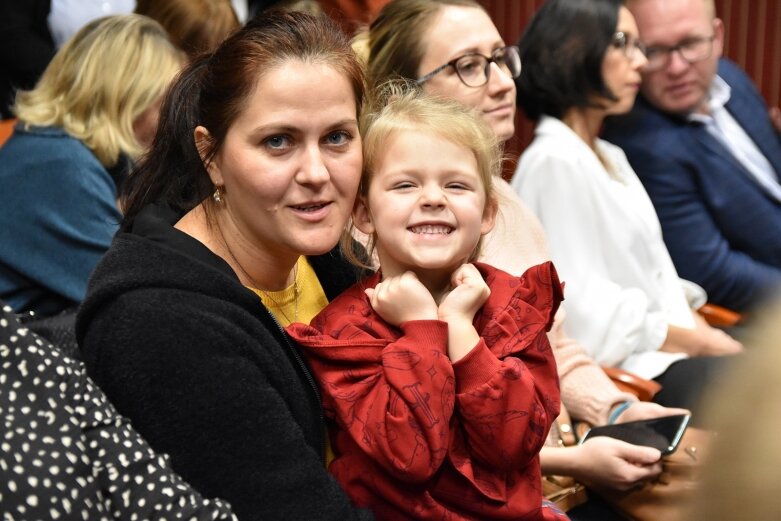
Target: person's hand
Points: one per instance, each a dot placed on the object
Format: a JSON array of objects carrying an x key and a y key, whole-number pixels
[
  {"x": 715, "y": 342},
  {"x": 469, "y": 293},
  {"x": 402, "y": 298},
  {"x": 703, "y": 340},
  {"x": 775, "y": 118},
  {"x": 605, "y": 462},
  {"x": 458, "y": 308},
  {"x": 647, "y": 411}
]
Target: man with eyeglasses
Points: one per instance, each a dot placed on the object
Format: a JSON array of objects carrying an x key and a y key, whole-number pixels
[{"x": 701, "y": 139}]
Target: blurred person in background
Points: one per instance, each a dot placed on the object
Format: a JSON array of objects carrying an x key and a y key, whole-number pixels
[
  {"x": 26, "y": 47},
  {"x": 625, "y": 300},
  {"x": 93, "y": 112},
  {"x": 194, "y": 26},
  {"x": 708, "y": 151},
  {"x": 741, "y": 471},
  {"x": 67, "y": 17}
]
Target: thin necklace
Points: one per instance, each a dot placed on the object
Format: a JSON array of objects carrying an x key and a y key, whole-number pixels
[{"x": 264, "y": 292}]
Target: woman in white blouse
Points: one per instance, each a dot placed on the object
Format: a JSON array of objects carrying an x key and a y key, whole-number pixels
[{"x": 625, "y": 301}]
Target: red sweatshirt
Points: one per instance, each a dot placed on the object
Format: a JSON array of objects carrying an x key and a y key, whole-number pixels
[{"x": 422, "y": 438}]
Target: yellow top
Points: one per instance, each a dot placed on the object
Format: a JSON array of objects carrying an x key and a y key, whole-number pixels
[{"x": 300, "y": 301}]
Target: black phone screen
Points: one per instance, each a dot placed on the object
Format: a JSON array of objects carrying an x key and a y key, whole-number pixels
[{"x": 660, "y": 433}]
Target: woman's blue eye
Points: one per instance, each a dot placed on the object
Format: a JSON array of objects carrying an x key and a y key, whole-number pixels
[
  {"x": 338, "y": 138},
  {"x": 276, "y": 142}
]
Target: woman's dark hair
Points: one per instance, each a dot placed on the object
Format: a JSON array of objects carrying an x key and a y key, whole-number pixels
[
  {"x": 562, "y": 50},
  {"x": 214, "y": 89}
]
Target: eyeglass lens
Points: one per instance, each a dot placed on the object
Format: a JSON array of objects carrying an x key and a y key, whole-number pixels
[
  {"x": 692, "y": 50},
  {"x": 475, "y": 69},
  {"x": 629, "y": 46}
]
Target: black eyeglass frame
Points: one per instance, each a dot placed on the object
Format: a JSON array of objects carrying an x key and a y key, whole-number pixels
[
  {"x": 666, "y": 51},
  {"x": 498, "y": 57}
]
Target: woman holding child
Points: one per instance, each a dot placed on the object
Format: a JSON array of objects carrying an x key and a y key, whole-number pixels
[{"x": 230, "y": 222}]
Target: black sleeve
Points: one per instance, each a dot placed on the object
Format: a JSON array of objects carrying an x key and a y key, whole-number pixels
[{"x": 26, "y": 46}]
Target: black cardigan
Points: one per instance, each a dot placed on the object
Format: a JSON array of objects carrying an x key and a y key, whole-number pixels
[{"x": 206, "y": 374}]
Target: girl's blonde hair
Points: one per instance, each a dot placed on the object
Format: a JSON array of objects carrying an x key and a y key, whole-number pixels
[
  {"x": 101, "y": 80},
  {"x": 399, "y": 106}
]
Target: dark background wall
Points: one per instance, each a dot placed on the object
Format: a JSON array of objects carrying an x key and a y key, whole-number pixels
[{"x": 753, "y": 40}]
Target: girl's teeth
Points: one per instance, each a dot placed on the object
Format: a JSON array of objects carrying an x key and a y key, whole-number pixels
[{"x": 430, "y": 229}]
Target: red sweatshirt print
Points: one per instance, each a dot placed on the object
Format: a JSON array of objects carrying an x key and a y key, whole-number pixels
[{"x": 418, "y": 437}]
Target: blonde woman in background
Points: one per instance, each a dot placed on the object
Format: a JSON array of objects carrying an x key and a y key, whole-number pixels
[{"x": 92, "y": 112}]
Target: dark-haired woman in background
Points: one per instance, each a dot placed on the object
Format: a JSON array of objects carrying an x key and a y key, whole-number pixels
[
  {"x": 582, "y": 61},
  {"x": 230, "y": 222}
]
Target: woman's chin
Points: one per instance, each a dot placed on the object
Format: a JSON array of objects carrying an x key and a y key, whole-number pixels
[{"x": 503, "y": 129}]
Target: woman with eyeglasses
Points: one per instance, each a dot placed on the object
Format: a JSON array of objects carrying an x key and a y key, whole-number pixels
[
  {"x": 453, "y": 49},
  {"x": 625, "y": 300}
]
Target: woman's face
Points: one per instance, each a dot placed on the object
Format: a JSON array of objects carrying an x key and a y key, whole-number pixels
[
  {"x": 145, "y": 125},
  {"x": 456, "y": 31},
  {"x": 621, "y": 66},
  {"x": 290, "y": 163}
]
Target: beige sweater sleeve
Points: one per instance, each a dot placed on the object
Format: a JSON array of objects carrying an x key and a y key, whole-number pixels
[
  {"x": 516, "y": 243},
  {"x": 586, "y": 391}
]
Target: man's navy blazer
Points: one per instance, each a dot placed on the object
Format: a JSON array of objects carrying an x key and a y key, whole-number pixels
[{"x": 722, "y": 228}]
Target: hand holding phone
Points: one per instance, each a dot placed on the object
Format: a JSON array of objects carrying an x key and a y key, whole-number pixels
[{"x": 660, "y": 433}]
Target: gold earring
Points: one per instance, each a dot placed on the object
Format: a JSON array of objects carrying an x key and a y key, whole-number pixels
[{"x": 217, "y": 195}]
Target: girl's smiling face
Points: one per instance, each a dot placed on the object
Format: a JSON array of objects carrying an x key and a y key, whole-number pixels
[{"x": 426, "y": 205}]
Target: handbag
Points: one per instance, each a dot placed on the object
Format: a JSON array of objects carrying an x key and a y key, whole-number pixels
[
  {"x": 563, "y": 491},
  {"x": 666, "y": 498}
]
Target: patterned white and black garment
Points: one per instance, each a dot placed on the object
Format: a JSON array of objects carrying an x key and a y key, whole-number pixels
[{"x": 65, "y": 453}]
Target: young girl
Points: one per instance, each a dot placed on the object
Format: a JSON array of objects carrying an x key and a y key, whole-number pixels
[{"x": 436, "y": 370}]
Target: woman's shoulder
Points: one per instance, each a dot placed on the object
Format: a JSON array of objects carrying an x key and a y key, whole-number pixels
[
  {"x": 47, "y": 156},
  {"x": 155, "y": 291},
  {"x": 47, "y": 142},
  {"x": 555, "y": 150}
]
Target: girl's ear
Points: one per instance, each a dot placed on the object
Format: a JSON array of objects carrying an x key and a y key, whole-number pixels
[
  {"x": 362, "y": 218},
  {"x": 489, "y": 215},
  {"x": 202, "y": 142}
]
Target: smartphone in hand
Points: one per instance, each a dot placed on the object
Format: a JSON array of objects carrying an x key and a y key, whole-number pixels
[{"x": 660, "y": 433}]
